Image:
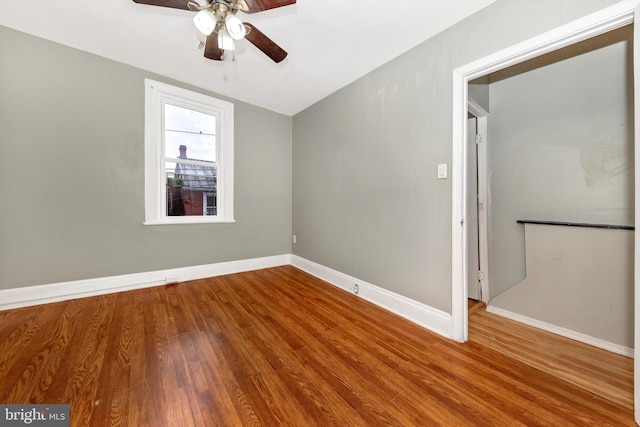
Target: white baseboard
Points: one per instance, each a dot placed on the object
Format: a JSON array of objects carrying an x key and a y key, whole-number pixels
[
  {"x": 426, "y": 316},
  {"x": 421, "y": 314},
  {"x": 558, "y": 330},
  {"x": 43, "y": 294}
]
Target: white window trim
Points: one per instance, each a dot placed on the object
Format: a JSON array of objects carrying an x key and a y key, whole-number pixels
[{"x": 156, "y": 94}]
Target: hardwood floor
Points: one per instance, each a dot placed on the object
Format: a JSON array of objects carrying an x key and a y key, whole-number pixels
[
  {"x": 604, "y": 373},
  {"x": 273, "y": 347}
]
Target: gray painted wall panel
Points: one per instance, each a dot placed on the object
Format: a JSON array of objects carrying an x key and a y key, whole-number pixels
[
  {"x": 394, "y": 226},
  {"x": 72, "y": 168},
  {"x": 560, "y": 149}
]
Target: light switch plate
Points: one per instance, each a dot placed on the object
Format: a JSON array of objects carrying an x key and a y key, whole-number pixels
[{"x": 442, "y": 171}]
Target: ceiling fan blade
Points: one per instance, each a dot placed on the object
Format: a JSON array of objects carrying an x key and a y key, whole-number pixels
[
  {"x": 211, "y": 49},
  {"x": 264, "y": 43},
  {"x": 175, "y": 4},
  {"x": 260, "y": 5}
]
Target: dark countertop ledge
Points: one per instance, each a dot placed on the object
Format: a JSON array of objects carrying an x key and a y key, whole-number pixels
[{"x": 577, "y": 224}]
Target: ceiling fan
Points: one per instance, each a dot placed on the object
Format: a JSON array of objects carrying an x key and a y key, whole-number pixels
[{"x": 217, "y": 20}]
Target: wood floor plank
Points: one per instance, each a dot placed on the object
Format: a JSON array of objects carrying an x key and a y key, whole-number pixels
[
  {"x": 274, "y": 347},
  {"x": 604, "y": 373}
]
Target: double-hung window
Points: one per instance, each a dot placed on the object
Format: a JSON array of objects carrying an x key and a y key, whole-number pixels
[{"x": 188, "y": 156}]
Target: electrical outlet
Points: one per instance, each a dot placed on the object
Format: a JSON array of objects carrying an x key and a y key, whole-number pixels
[
  {"x": 171, "y": 278},
  {"x": 294, "y": 239}
]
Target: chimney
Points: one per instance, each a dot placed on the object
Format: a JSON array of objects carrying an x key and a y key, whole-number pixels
[{"x": 183, "y": 152}]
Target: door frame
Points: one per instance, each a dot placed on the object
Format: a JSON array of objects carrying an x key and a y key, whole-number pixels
[
  {"x": 605, "y": 20},
  {"x": 476, "y": 110}
]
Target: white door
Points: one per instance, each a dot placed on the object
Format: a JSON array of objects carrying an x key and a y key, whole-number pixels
[{"x": 473, "y": 258}]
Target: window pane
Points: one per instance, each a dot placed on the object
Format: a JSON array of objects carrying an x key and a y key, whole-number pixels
[
  {"x": 210, "y": 207},
  {"x": 189, "y": 134},
  {"x": 191, "y": 189}
]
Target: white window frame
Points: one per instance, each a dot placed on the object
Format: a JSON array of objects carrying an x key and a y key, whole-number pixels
[{"x": 158, "y": 94}]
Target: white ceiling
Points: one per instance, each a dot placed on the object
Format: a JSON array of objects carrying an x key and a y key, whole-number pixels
[{"x": 331, "y": 43}]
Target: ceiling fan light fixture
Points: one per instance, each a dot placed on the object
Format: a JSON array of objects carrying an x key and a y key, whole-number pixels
[
  {"x": 216, "y": 20},
  {"x": 235, "y": 27},
  {"x": 205, "y": 21},
  {"x": 225, "y": 41}
]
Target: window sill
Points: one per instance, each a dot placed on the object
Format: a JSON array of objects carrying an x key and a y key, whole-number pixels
[{"x": 198, "y": 220}]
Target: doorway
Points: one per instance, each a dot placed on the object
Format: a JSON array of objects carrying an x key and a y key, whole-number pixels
[
  {"x": 562, "y": 191},
  {"x": 590, "y": 26},
  {"x": 599, "y": 23}
]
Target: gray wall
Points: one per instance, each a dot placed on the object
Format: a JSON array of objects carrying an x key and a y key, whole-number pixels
[
  {"x": 366, "y": 198},
  {"x": 560, "y": 148},
  {"x": 72, "y": 173}
]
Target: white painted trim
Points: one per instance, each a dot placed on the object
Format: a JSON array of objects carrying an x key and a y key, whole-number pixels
[
  {"x": 558, "y": 330},
  {"x": 421, "y": 314},
  {"x": 43, "y": 294},
  {"x": 636, "y": 121},
  {"x": 597, "y": 23},
  {"x": 482, "y": 129},
  {"x": 428, "y": 317},
  {"x": 484, "y": 213},
  {"x": 459, "y": 294},
  {"x": 605, "y": 20},
  {"x": 476, "y": 109}
]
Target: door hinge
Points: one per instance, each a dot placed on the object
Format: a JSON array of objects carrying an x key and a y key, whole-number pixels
[
  {"x": 478, "y": 139},
  {"x": 480, "y": 275}
]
